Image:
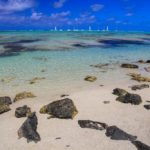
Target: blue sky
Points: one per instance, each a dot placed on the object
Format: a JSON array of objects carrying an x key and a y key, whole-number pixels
[{"x": 45, "y": 14}]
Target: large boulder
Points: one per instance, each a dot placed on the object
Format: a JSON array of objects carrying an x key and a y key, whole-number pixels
[
  {"x": 119, "y": 92},
  {"x": 4, "y": 108},
  {"x": 23, "y": 95},
  {"x": 28, "y": 129},
  {"x": 131, "y": 66},
  {"x": 116, "y": 133},
  {"x": 64, "y": 109},
  {"x": 22, "y": 111},
  {"x": 5, "y": 100},
  {"x": 130, "y": 98},
  {"x": 90, "y": 78}
]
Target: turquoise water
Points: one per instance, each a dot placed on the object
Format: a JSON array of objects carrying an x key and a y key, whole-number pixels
[{"x": 64, "y": 64}]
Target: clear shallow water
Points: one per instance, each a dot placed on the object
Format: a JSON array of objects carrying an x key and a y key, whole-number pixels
[{"x": 65, "y": 65}]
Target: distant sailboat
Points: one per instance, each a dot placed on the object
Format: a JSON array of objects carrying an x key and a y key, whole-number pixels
[
  {"x": 90, "y": 29},
  {"x": 55, "y": 29},
  {"x": 107, "y": 29}
]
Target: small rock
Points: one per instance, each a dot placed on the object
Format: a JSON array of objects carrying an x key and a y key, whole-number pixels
[
  {"x": 64, "y": 95},
  {"x": 5, "y": 100},
  {"x": 23, "y": 95},
  {"x": 131, "y": 66},
  {"x": 141, "y": 61},
  {"x": 117, "y": 134},
  {"x": 22, "y": 111},
  {"x": 4, "y": 108},
  {"x": 130, "y": 98},
  {"x": 34, "y": 80},
  {"x": 139, "y": 87},
  {"x": 100, "y": 65},
  {"x": 64, "y": 109},
  {"x": 106, "y": 102},
  {"x": 90, "y": 78},
  {"x": 148, "y": 61},
  {"x": 58, "y": 138},
  {"x": 140, "y": 146},
  {"x": 28, "y": 129},
  {"x": 92, "y": 124},
  {"x": 119, "y": 92},
  {"x": 147, "y": 106}
]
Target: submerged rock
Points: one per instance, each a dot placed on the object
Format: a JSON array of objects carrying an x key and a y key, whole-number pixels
[
  {"x": 119, "y": 92},
  {"x": 140, "y": 146},
  {"x": 139, "y": 87},
  {"x": 132, "y": 66},
  {"x": 64, "y": 109},
  {"x": 5, "y": 100},
  {"x": 34, "y": 80},
  {"x": 4, "y": 108},
  {"x": 139, "y": 78},
  {"x": 147, "y": 106},
  {"x": 90, "y": 78},
  {"x": 92, "y": 124},
  {"x": 23, "y": 95},
  {"x": 117, "y": 134},
  {"x": 130, "y": 98},
  {"x": 100, "y": 65},
  {"x": 28, "y": 129},
  {"x": 22, "y": 111}
]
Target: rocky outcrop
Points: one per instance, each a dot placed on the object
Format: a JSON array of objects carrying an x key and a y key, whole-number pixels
[
  {"x": 131, "y": 66},
  {"x": 4, "y": 108},
  {"x": 139, "y": 87},
  {"x": 64, "y": 109},
  {"x": 23, "y": 95},
  {"x": 116, "y": 133},
  {"x": 28, "y": 129},
  {"x": 22, "y": 111},
  {"x": 119, "y": 92},
  {"x": 92, "y": 124},
  {"x": 90, "y": 78},
  {"x": 5, "y": 100},
  {"x": 134, "y": 99}
]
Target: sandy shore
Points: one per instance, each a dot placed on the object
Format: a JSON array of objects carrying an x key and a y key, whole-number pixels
[{"x": 133, "y": 119}]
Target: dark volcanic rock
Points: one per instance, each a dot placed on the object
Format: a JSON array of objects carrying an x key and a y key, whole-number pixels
[
  {"x": 64, "y": 109},
  {"x": 4, "y": 108},
  {"x": 92, "y": 124},
  {"x": 22, "y": 111},
  {"x": 148, "y": 61},
  {"x": 117, "y": 134},
  {"x": 5, "y": 100},
  {"x": 28, "y": 129},
  {"x": 119, "y": 92},
  {"x": 147, "y": 106},
  {"x": 130, "y": 98},
  {"x": 140, "y": 146},
  {"x": 139, "y": 87},
  {"x": 132, "y": 66}
]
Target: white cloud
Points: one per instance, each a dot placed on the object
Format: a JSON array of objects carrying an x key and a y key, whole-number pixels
[
  {"x": 59, "y": 3},
  {"x": 97, "y": 7},
  {"x": 60, "y": 15},
  {"x": 15, "y": 5},
  {"x": 36, "y": 16},
  {"x": 129, "y": 14}
]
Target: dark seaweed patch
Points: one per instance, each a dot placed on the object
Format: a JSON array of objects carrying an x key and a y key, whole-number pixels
[{"x": 120, "y": 42}]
